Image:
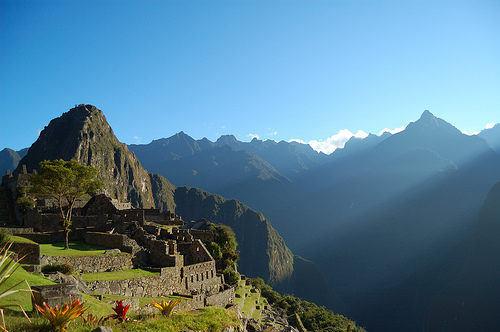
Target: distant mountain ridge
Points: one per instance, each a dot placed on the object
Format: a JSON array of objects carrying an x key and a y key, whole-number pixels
[
  {"x": 372, "y": 204},
  {"x": 9, "y": 159},
  {"x": 492, "y": 136}
]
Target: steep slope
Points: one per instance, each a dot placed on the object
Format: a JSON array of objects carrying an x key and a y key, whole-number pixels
[
  {"x": 470, "y": 303},
  {"x": 220, "y": 169},
  {"x": 492, "y": 136},
  {"x": 84, "y": 134},
  {"x": 263, "y": 252},
  {"x": 396, "y": 224}
]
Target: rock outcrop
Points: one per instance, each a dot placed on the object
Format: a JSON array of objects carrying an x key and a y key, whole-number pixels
[{"x": 84, "y": 134}]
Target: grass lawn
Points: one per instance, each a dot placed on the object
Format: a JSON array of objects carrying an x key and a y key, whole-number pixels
[
  {"x": 118, "y": 275},
  {"x": 19, "y": 239},
  {"x": 76, "y": 249},
  {"x": 23, "y": 298}
]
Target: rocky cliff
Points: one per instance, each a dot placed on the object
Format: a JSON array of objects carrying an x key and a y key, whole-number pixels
[{"x": 84, "y": 134}]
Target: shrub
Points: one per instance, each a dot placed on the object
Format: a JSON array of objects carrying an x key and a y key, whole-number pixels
[
  {"x": 231, "y": 277},
  {"x": 63, "y": 268},
  {"x": 121, "y": 312},
  {"x": 166, "y": 307},
  {"x": 7, "y": 268},
  {"x": 24, "y": 203},
  {"x": 4, "y": 237},
  {"x": 60, "y": 317}
]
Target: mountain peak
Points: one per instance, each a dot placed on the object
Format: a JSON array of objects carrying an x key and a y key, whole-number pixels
[
  {"x": 428, "y": 121},
  {"x": 84, "y": 134},
  {"x": 428, "y": 118},
  {"x": 226, "y": 139}
]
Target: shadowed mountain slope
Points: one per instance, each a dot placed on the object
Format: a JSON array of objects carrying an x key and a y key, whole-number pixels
[
  {"x": 9, "y": 159},
  {"x": 470, "y": 303},
  {"x": 387, "y": 218},
  {"x": 492, "y": 136},
  {"x": 84, "y": 134},
  {"x": 257, "y": 239}
]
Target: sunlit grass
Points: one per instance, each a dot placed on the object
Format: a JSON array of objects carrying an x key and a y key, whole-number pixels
[
  {"x": 118, "y": 275},
  {"x": 208, "y": 319},
  {"x": 76, "y": 249}
]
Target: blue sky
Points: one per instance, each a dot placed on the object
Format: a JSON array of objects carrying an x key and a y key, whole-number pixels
[{"x": 281, "y": 70}]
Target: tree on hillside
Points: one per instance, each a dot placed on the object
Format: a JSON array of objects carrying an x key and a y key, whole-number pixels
[
  {"x": 223, "y": 250},
  {"x": 64, "y": 181}
]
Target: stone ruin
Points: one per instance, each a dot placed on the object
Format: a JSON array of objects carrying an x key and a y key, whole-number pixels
[{"x": 154, "y": 240}]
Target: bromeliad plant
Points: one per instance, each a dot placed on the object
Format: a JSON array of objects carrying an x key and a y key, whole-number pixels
[
  {"x": 60, "y": 317},
  {"x": 121, "y": 312},
  {"x": 7, "y": 268},
  {"x": 92, "y": 320},
  {"x": 166, "y": 307}
]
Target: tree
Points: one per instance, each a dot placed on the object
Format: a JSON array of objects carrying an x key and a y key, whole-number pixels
[{"x": 64, "y": 181}]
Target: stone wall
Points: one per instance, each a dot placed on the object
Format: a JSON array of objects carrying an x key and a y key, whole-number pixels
[
  {"x": 55, "y": 294},
  {"x": 31, "y": 250},
  {"x": 155, "y": 286},
  {"x": 201, "y": 277},
  {"x": 76, "y": 235},
  {"x": 92, "y": 264},
  {"x": 221, "y": 299},
  {"x": 165, "y": 254},
  {"x": 204, "y": 236},
  {"x": 132, "y": 215},
  {"x": 177, "y": 234},
  {"x": 49, "y": 222},
  {"x": 114, "y": 241}
]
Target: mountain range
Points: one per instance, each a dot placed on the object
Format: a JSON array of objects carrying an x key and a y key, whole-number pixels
[
  {"x": 388, "y": 219},
  {"x": 391, "y": 221},
  {"x": 84, "y": 134}
]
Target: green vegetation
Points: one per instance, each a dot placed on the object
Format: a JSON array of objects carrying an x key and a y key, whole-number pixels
[
  {"x": 208, "y": 319},
  {"x": 60, "y": 316},
  {"x": 19, "y": 239},
  {"x": 4, "y": 237},
  {"x": 64, "y": 181},
  {"x": 118, "y": 275},
  {"x": 313, "y": 317},
  {"x": 231, "y": 277},
  {"x": 223, "y": 250},
  {"x": 23, "y": 298},
  {"x": 76, "y": 249}
]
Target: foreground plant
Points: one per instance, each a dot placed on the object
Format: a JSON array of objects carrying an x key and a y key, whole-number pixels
[
  {"x": 166, "y": 307},
  {"x": 59, "y": 317},
  {"x": 7, "y": 268},
  {"x": 92, "y": 320},
  {"x": 121, "y": 312}
]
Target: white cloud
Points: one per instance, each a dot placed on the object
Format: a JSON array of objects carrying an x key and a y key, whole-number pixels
[
  {"x": 273, "y": 133},
  {"x": 336, "y": 141},
  {"x": 469, "y": 134},
  {"x": 252, "y": 136},
  {"x": 223, "y": 127},
  {"x": 297, "y": 140},
  {"x": 490, "y": 125},
  {"x": 392, "y": 131}
]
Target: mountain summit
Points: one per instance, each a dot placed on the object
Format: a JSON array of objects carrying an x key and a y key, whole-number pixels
[{"x": 84, "y": 134}]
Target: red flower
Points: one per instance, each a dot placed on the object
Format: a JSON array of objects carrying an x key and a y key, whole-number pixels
[{"x": 121, "y": 312}]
